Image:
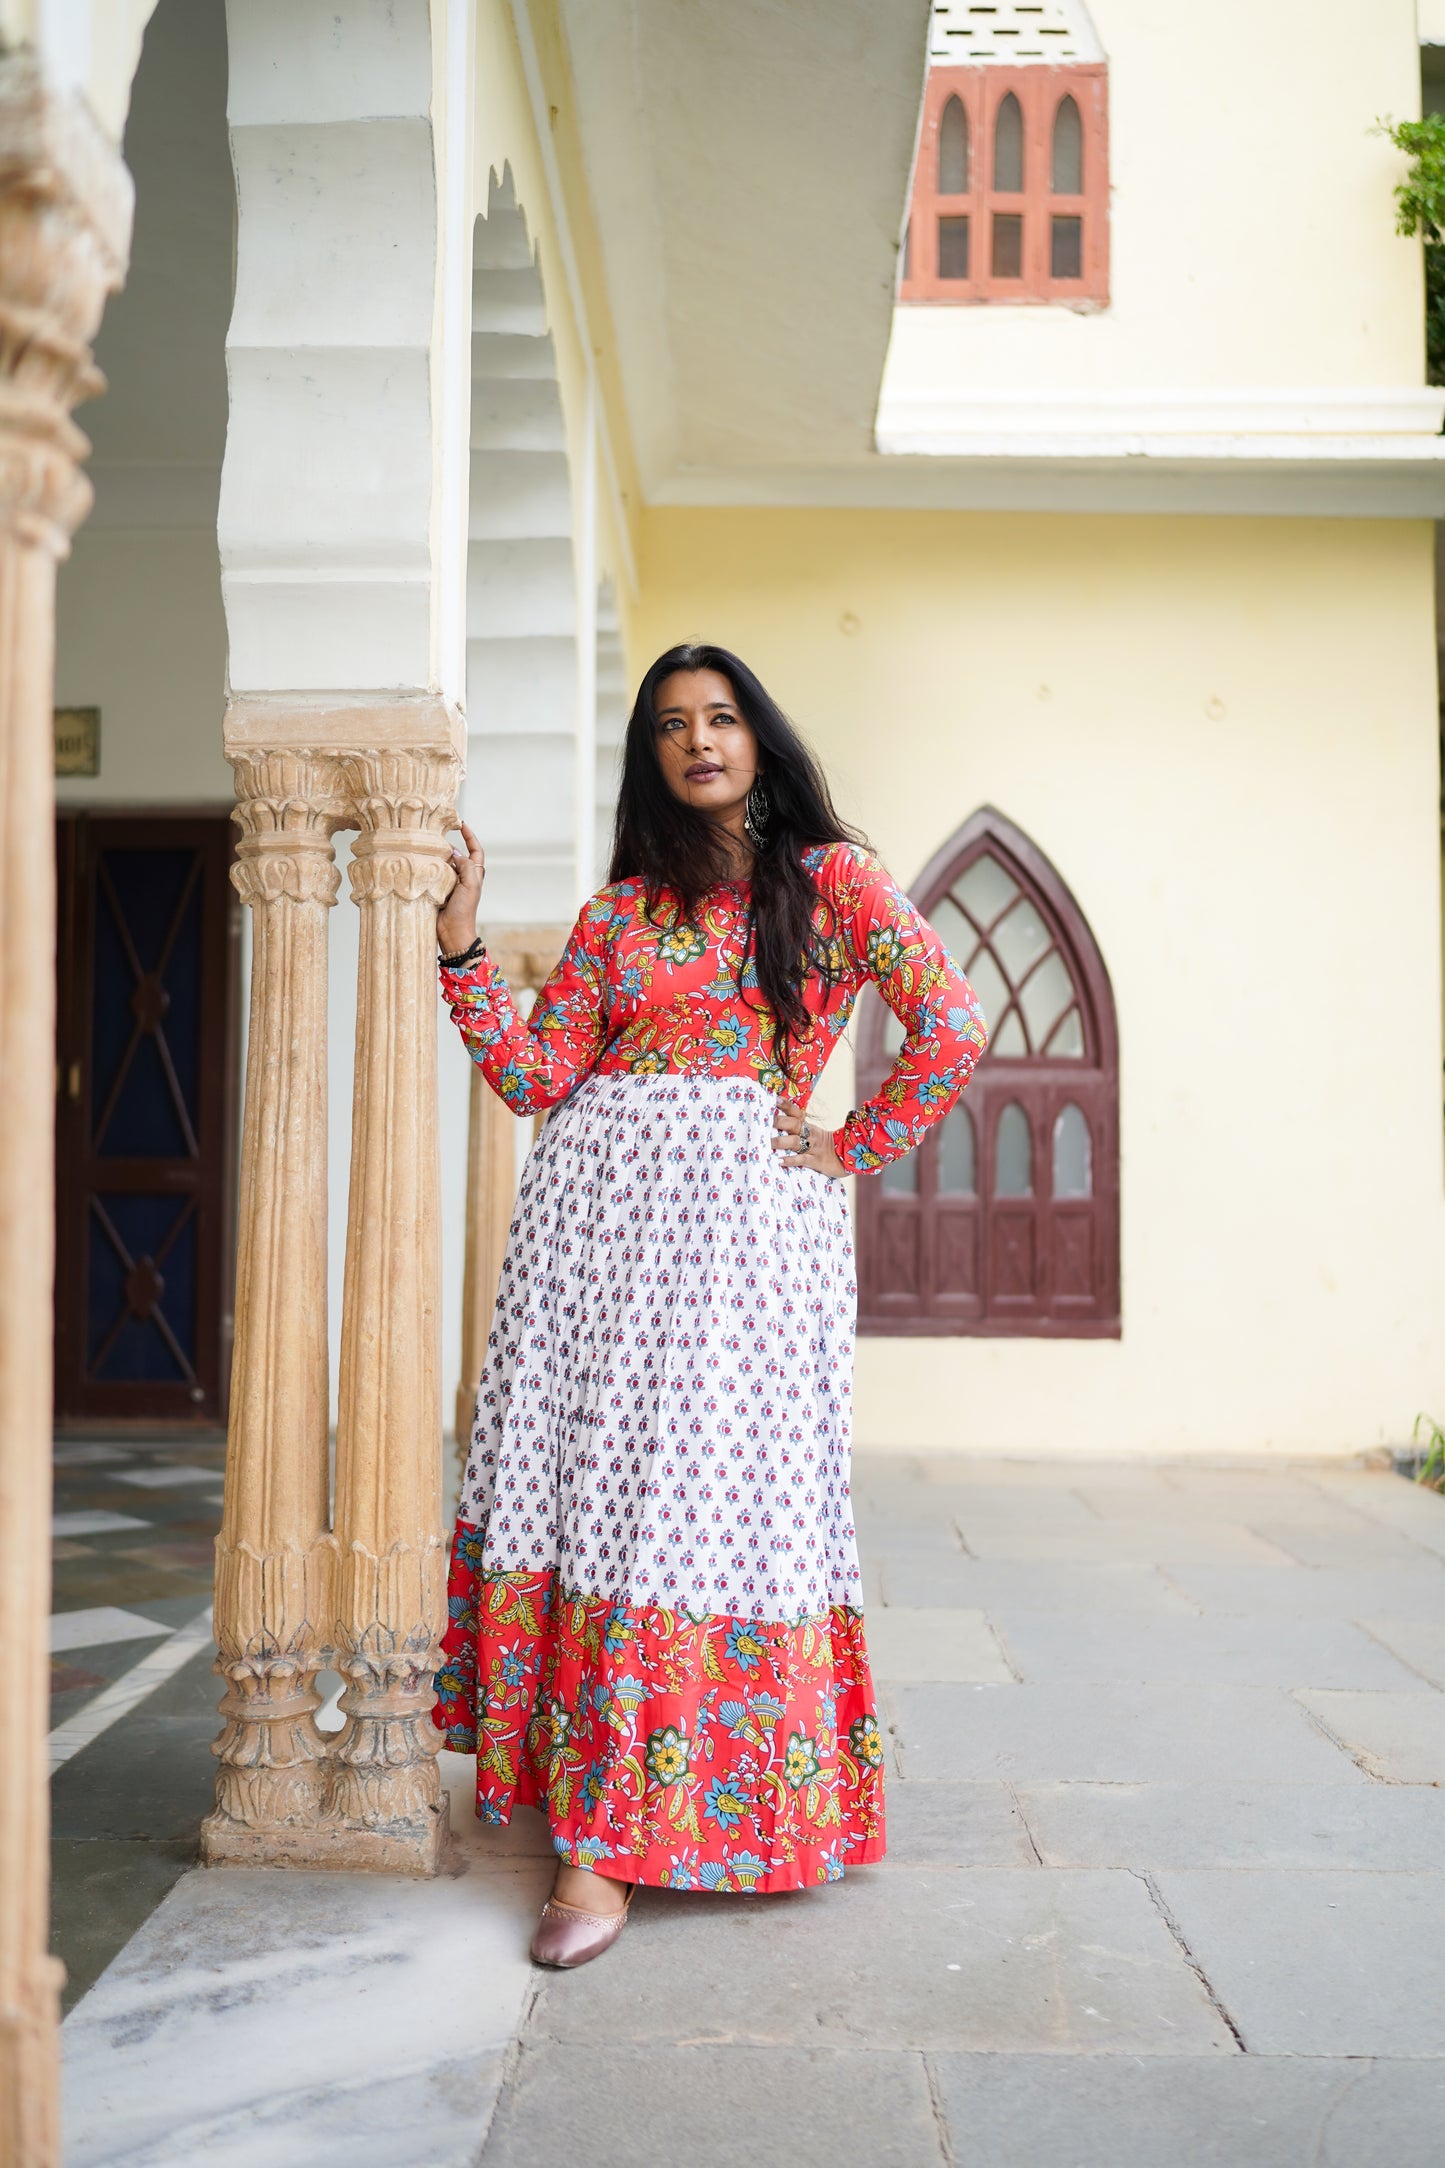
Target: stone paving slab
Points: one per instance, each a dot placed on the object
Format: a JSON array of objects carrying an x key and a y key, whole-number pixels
[
  {"x": 1146, "y": 1542},
  {"x": 1219, "y": 1493},
  {"x": 904, "y": 1539},
  {"x": 1228, "y": 1824},
  {"x": 617, "y": 2107},
  {"x": 959, "y": 1825},
  {"x": 895, "y": 1500},
  {"x": 1331, "y": 1963},
  {"x": 1414, "y": 1510},
  {"x": 1043, "y": 1476},
  {"x": 997, "y": 1958},
  {"x": 1052, "y": 1645},
  {"x": 1244, "y": 2111},
  {"x": 986, "y": 1583},
  {"x": 939, "y": 1644},
  {"x": 1313, "y": 1592},
  {"x": 1112, "y": 1734},
  {"x": 1399, "y": 1737},
  {"x": 1353, "y": 1541},
  {"x": 1419, "y": 1643}
]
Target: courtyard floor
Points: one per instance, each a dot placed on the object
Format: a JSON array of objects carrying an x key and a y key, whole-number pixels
[{"x": 1165, "y": 1884}]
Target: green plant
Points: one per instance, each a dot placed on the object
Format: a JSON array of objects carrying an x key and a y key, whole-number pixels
[
  {"x": 1420, "y": 209},
  {"x": 1431, "y": 1471}
]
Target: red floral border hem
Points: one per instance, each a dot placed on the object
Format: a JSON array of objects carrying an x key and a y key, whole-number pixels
[{"x": 685, "y": 1752}]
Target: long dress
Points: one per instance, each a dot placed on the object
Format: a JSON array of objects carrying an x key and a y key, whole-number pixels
[{"x": 656, "y": 1621}]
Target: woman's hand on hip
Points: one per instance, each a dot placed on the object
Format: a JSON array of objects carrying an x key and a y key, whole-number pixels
[
  {"x": 801, "y": 1143},
  {"x": 457, "y": 918}
]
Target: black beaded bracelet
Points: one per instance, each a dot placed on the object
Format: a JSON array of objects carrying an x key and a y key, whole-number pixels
[{"x": 466, "y": 956}]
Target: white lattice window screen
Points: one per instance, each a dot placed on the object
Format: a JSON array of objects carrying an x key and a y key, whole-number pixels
[{"x": 1014, "y": 32}]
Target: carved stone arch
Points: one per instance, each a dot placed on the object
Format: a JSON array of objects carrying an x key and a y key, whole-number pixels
[{"x": 1006, "y": 1220}]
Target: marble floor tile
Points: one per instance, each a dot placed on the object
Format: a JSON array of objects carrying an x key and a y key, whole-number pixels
[
  {"x": 101, "y": 1624},
  {"x": 164, "y": 1476},
  {"x": 128, "y": 1691},
  {"x": 1398, "y": 1737},
  {"x": 1328, "y": 1963},
  {"x": 303, "y": 2020},
  {"x": 86, "y": 1523},
  {"x": 194, "y": 1557},
  {"x": 88, "y": 1456}
]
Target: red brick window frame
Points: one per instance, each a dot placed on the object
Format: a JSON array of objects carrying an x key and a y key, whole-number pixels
[{"x": 1045, "y": 241}]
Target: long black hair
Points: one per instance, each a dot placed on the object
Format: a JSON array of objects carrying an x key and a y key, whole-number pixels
[{"x": 671, "y": 846}]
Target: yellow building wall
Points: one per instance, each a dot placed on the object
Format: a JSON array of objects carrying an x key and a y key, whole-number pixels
[{"x": 1223, "y": 733}]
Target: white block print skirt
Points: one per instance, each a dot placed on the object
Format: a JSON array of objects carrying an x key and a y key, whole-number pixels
[{"x": 655, "y": 1611}]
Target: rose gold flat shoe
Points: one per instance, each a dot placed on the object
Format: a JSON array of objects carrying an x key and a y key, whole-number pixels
[{"x": 567, "y": 1936}]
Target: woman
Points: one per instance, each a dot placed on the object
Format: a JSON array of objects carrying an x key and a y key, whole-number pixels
[{"x": 656, "y": 1630}]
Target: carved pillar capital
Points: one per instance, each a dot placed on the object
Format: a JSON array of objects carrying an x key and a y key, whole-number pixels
[
  {"x": 289, "y": 804},
  {"x": 412, "y": 790},
  {"x": 65, "y": 211}
]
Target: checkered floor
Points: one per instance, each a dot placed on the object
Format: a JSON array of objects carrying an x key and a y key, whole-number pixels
[{"x": 132, "y": 1695}]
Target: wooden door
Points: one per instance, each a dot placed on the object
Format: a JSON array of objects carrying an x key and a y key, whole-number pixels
[{"x": 145, "y": 1119}]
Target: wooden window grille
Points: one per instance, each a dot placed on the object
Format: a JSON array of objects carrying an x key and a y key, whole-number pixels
[
  {"x": 1011, "y": 189},
  {"x": 1006, "y": 1219}
]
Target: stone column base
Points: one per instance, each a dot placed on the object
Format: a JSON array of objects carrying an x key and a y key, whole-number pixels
[{"x": 417, "y": 1846}]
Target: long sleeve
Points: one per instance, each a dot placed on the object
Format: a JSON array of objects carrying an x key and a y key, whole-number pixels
[
  {"x": 945, "y": 1032},
  {"x": 533, "y": 1062}
]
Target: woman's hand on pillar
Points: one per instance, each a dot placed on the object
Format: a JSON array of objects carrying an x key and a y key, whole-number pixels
[{"x": 457, "y": 918}]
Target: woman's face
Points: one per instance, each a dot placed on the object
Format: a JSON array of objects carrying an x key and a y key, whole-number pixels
[{"x": 707, "y": 752}]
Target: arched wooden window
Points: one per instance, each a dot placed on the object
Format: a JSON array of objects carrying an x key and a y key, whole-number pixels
[{"x": 1006, "y": 1219}]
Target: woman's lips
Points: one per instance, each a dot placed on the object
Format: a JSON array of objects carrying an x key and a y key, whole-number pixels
[{"x": 701, "y": 771}]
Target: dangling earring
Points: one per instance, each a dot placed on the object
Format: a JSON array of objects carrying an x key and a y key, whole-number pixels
[{"x": 755, "y": 818}]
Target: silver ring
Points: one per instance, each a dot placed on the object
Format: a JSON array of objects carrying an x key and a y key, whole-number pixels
[{"x": 805, "y": 1136}]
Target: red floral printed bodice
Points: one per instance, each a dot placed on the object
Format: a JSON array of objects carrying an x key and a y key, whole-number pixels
[{"x": 641, "y": 993}]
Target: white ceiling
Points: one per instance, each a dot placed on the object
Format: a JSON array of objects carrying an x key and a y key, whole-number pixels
[{"x": 749, "y": 164}]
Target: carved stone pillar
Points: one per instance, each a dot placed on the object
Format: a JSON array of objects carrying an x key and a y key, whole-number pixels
[
  {"x": 274, "y": 1555},
  {"x": 65, "y": 202},
  {"x": 526, "y": 957},
  {"x": 391, "y": 1610}
]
